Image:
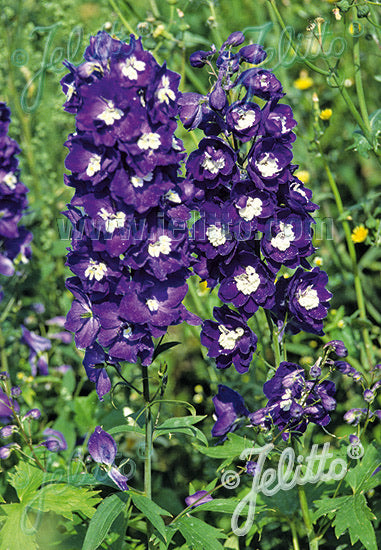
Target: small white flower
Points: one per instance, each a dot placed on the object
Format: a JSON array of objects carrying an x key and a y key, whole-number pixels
[
  {"x": 216, "y": 235},
  {"x": 282, "y": 241},
  {"x": 228, "y": 338},
  {"x": 161, "y": 246},
  {"x": 212, "y": 165},
  {"x": 110, "y": 114},
  {"x": 131, "y": 67},
  {"x": 247, "y": 282},
  {"x": 151, "y": 140},
  {"x": 96, "y": 270},
  {"x": 309, "y": 298},
  {"x": 252, "y": 209},
  {"x": 139, "y": 182},
  {"x": 94, "y": 165},
  {"x": 152, "y": 304}
]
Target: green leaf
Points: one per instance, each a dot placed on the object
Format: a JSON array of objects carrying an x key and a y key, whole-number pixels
[
  {"x": 224, "y": 506},
  {"x": 126, "y": 428},
  {"x": 184, "y": 425},
  {"x": 361, "y": 477},
  {"x": 102, "y": 520},
  {"x": 64, "y": 500},
  {"x": 17, "y": 531},
  {"x": 84, "y": 408},
  {"x": 26, "y": 480},
  {"x": 232, "y": 448},
  {"x": 151, "y": 511},
  {"x": 198, "y": 534},
  {"x": 164, "y": 347}
]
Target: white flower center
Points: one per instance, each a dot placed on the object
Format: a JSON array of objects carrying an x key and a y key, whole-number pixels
[
  {"x": 95, "y": 270},
  {"x": 252, "y": 209},
  {"x": 127, "y": 332},
  {"x": 286, "y": 401},
  {"x": 94, "y": 165},
  {"x": 247, "y": 282},
  {"x": 131, "y": 67},
  {"x": 246, "y": 119},
  {"x": 263, "y": 80},
  {"x": 284, "y": 238},
  {"x": 70, "y": 91},
  {"x": 216, "y": 235},
  {"x": 295, "y": 186},
  {"x": 164, "y": 94},
  {"x": 213, "y": 165},
  {"x": 149, "y": 141},
  {"x": 308, "y": 298},
  {"x": 139, "y": 182},
  {"x": 113, "y": 221},
  {"x": 152, "y": 304},
  {"x": 110, "y": 114},
  {"x": 172, "y": 196},
  {"x": 268, "y": 165},
  {"x": 10, "y": 180},
  {"x": 228, "y": 338},
  {"x": 161, "y": 246}
]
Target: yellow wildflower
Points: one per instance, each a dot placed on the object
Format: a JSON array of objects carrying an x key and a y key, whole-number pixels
[
  {"x": 326, "y": 114},
  {"x": 303, "y": 175},
  {"x": 359, "y": 234},
  {"x": 304, "y": 81},
  {"x": 318, "y": 260}
]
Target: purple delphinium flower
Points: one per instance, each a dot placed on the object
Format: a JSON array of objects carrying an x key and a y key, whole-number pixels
[
  {"x": 198, "y": 498},
  {"x": 338, "y": 347},
  {"x": 229, "y": 340},
  {"x": 129, "y": 255},
  {"x": 54, "y": 440},
  {"x": 14, "y": 238},
  {"x": 102, "y": 448},
  {"x": 303, "y": 300},
  {"x": 6, "y": 404},
  {"x": 230, "y": 408},
  {"x": 37, "y": 345},
  {"x": 293, "y": 401}
]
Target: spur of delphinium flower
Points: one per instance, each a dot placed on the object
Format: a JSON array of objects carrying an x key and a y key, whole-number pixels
[
  {"x": 230, "y": 409},
  {"x": 103, "y": 449},
  {"x": 14, "y": 239},
  {"x": 303, "y": 300},
  {"x": 129, "y": 254},
  {"x": 198, "y": 498},
  {"x": 294, "y": 401},
  {"x": 37, "y": 345},
  {"x": 229, "y": 340}
]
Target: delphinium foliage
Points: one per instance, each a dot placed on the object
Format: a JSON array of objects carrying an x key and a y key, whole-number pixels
[{"x": 14, "y": 237}]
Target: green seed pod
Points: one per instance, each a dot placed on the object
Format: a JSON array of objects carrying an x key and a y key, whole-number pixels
[{"x": 344, "y": 5}]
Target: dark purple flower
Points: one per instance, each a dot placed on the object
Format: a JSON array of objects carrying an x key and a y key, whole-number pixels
[
  {"x": 248, "y": 284},
  {"x": 229, "y": 340},
  {"x": 102, "y": 448},
  {"x": 234, "y": 39},
  {"x": 198, "y": 498},
  {"x": 7, "y": 431},
  {"x": 338, "y": 347},
  {"x": 243, "y": 119},
  {"x": 94, "y": 363},
  {"x": 199, "y": 58},
  {"x": 293, "y": 401},
  {"x": 5, "y": 451},
  {"x": 252, "y": 468},
  {"x": 303, "y": 300},
  {"x": 268, "y": 164},
  {"x": 369, "y": 396},
  {"x": 230, "y": 408},
  {"x": 33, "y": 414},
  {"x": 261, "y": 83},
  {"x": 253, "y": 53},
  {"x": 54, "y": 440}
]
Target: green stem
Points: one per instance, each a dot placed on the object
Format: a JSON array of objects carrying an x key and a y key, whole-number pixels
[
  {"x": 312, "y": 539},
  {"x": 294, "y": 532},
  {"x": 274, "y": 332},
  {"x": 3, "y": 353},
  {"x": 121, "y": 16},
  {"x": 358, "y": 80},
  {"x": 353, "y": 257},
  {"x": 148, "y": 446},
  {"x": 215, "y": 27}
]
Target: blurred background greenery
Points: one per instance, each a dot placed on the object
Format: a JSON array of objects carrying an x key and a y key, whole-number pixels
[{"x": 35, "y": 38}]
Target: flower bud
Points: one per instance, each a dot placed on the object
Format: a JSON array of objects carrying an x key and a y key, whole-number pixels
[{"x": 253, "y": 53}]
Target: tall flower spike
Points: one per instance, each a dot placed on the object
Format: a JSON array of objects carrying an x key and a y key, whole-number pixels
[
  {"x": 14, "y": 238},
  {"x": 130, "y": 251}
]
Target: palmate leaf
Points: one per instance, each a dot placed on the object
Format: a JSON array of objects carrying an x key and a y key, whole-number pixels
[
  {"x": 17, "y": 531},
  {"x": 231, "y": 448},
  {"x": 361, "y": 477},
  {"x": 26, "y": 480},
  {"x": 350, "y": 513},
  {"x": 64, "y": 500}
]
